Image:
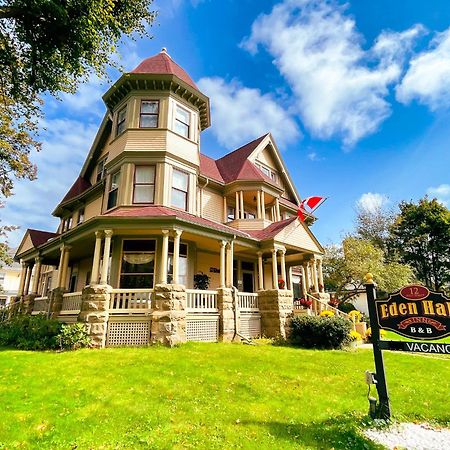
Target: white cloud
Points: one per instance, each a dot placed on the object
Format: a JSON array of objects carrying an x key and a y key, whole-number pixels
[
  {"x": 428, "y": 75},
  {"x": 65, "y": 145},
  {"x": 372, "y": 201},
  {"x": 314, "y": 156},
  {"x": 340, "y": 88},
  {"x": 441, "y": 193},
  {"x": 240, "y": 113}
]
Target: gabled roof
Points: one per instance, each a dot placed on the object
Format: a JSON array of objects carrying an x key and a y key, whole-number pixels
[
  {"x": 164, "y": 211},
  {"x": 81, "y": 185},
  {"x": 272, "y": 230},
  {"x": 39, "y": 237},
  {"x": 162, "y": 63}
]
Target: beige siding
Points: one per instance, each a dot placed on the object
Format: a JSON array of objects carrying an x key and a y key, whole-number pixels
[
  {"x": 204, "y": 262},
  {"x": 266, "y": 158},
  {"x": 297, "y": 236},
  {"x": 26, "y": 245},
  {"x": 93, "y": 208},
  {"x": 182, "y": 147},
  {"x": 212, "y": 207}
]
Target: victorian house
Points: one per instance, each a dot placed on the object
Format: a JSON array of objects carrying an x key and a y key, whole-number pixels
[{"x": 159, "y": 242}]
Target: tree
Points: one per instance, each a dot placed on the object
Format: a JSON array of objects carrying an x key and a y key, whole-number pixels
[
  {"x": 346, "y": 266},
  {"x": 50, "y": 46},
  {"x": 421, "y": 236}
]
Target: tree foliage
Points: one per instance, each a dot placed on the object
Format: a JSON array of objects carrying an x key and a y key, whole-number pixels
[
  {"x": 50, "y": 46},
  {"x": 421, "y": 236}
]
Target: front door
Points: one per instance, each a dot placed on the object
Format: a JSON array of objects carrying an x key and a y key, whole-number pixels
[{"x": 247, "y": 281}]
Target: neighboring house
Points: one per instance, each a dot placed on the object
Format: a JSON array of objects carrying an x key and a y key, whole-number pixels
[
  {"x": 9, "y": 283},
  {"x": 149, "y": 211}
]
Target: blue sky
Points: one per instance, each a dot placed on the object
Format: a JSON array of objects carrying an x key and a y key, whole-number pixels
[{"x": 356, "y": 94}]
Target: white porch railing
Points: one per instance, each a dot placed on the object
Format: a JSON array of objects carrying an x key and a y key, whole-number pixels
[
  {"x": 71, "y": 303},
  {"x": 319, "y": 305},
  {"x": 248, "y": 301},
  {"x": 201, "y": 301},
  {"x": 130, "y": 300},
  {"x": 40, "y": 305}
]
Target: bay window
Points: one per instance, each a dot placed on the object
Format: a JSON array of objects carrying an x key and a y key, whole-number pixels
[
  {"x": 182, "y": 121},
  {"x": 144, "y": 184},
  {"x": 138, "y": 264},
  {"x": 121, "y": 119},
  {"x": 180, "y": 182},
  {"x": 149, "y": 114}
]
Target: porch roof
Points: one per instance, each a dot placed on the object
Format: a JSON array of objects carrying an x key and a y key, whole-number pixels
[{"x": 164, "y": 211}]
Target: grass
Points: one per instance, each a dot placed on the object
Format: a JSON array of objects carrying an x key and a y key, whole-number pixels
[{"x": 207, "y": 396}]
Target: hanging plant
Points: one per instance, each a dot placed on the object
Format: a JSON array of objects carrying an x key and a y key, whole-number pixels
[{"x": 201, "y": 281}]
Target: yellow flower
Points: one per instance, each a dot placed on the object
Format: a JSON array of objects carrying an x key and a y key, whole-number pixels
[
  {"x": 355, "y": 336},
  {"x": 327, "y": 313},
  {"x": 355, "y": 316},
  {"x": 369, "y": 332}
]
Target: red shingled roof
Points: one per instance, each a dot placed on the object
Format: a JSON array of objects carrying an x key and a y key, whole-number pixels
[
  {"x": 162, "y": 63},
  {"x": 39, "y": 237},
  {"x": 232, "y": 164},
  {"x": 164, "y": 211},
  {"x": 272, "y": 230},
  {"x": 208, "y": 168},
  {"x": 77, "y": 188}
]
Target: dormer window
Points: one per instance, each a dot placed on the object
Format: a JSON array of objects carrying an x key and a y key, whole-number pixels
[
  {"x": 113, "y": 190},
  {"x": 101, "y": 171},
  {"x": 182, "y": 121},
  {"x": 121, "y": 118},
  {"x": 149, "y": 114}
]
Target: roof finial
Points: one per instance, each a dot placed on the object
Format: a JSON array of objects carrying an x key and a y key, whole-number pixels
[{"x": 164, "y": 50}]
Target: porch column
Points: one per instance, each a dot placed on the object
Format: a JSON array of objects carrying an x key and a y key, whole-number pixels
[
  {"x": 96, "y": 258},
  {"x": 237, "y": 209},
  {"x": 106, "y": 251},
  {"x": 241, "y": 196},
  {"x": 260, "y": 271},
  {"x": 176, "y": 256},
  {"x": 28, "y": 279},
  {"x": 274, "y": 269},
  {"x": 263, "y": 206},
  {"x": 229, "y": 280},
  {"x": 65, "y": 267},
  {"x": 321, "y": 285},
  {"x": 225, "y": 210},
  {"x": 23, "y": 274},
  {"x": 289, "y": 285},
  {"x": 305, "y": 267},
  {"x": 60, "y": 266},
  {"x": 164, "y": 256},
  {"x": 304, "y": 289},
  {"x": 277, "y": 210},
  {"x": 223, "y": 245},
  {"x": 314, "y": 273},
  {"x": 283, "y": 266},
  {"x": 37, "y": 275},
  {"x": 258, "y": 205}
]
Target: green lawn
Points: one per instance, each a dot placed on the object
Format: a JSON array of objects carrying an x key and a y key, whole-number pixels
[{"x": 206, "y": 396}]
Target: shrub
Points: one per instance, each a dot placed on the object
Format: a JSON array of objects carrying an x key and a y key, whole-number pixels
[
  {"x": 320, "y": 332},
  {"x": 346, "y": 307},
  {"x": 30, "y": 332},
  {"x": 73, "y": 337}
]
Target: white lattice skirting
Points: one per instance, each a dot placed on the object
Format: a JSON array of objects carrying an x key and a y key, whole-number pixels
[
  {"x": 250, "y": 325},
  {"x": 128, "y": 334},
  {"x": 202, "y": 329}
]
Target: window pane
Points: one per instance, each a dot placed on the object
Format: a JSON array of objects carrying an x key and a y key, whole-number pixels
[
  {"x": 149, "y": 121},
  {"x": 138, "y": 263},
  {"x": 178, "y": 199},
  {"x": 143, "y": 193},
  {"x": 149, "y": 107},
  {"x": 183, "y": 115},
  {"x": 135, "y": 245},
  {"x": 112, "y": 199},
  {"x": 181, "y": 128},
  {"x": 145, "y": 174},
  {"x": 180, "y": 180},
  {"x": 121, "y": 115},
  {"x": 115, "y": 180},
  {"x": 136, "y": 281}
]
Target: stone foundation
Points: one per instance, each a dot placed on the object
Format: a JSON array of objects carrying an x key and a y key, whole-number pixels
[
  {"x": 94, "y": 313},
  {"x": 169, "y": 314},
  {"x": 28, "y": 303},
  {"x": 226, "y": 314},
  {"x": 56, "y": 300},
  {"x": 275, "y": 307}
]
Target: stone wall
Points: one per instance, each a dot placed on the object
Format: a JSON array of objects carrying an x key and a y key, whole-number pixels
[
  {"x": 275, "y": 307},
  {"x": 28, "y": 303},
  {"x": 94, "y": 312},
  {"x": 169, "y": 314},
  {"x": 56, "y": 301},
  {"x": 226, "y": 314}
]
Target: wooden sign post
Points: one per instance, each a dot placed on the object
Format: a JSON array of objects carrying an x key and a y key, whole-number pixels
[{"x": 414, "y": 312}]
